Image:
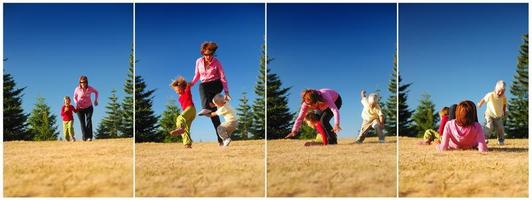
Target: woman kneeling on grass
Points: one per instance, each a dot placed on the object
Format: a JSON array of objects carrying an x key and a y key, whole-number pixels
[{"x": 464, "y": 132}]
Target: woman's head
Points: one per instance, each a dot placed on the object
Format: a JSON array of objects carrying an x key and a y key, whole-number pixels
[
  {"x": 83, "y": 82},
  {"x": 208, "y": 48},
  {"x": 500, "y": 88},
  {"x": 311, "y": 97},
  {"x": 179, "y": 85},
  {"x": 466, "y": 113},
  {"x": 444, "y": 111},
  {"x": 373, "y": 100}
]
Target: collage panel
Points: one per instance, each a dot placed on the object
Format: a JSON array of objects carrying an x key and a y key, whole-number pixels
[
  {"x": 463, "y": 100},
  {"x": 331, "y": 108}
]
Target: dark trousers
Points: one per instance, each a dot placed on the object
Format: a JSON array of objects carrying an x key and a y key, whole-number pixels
[
  {"x": 326, "y": 116},
  {"x": 85, "y": 120},
  {"x": 207, "y": 91}
]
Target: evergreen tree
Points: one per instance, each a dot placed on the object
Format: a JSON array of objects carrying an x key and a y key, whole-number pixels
[
  {"x": 109, "y": 127},
  {"x": 42, "y": 123},
  {"x": 390, "y": 108},
  {"x": 245, "y": 119},
  {"x": 517, "y": 122},
  {"x": 257, "y": 128},
  {"x": 425, "y": 116},
  {"x": 405, "y": 113},
  {"x": 280, "y": 119},
  {"x": 126, "y": 127},
  {"x": 146, "y": 127},
  {"x": 168, "y": 120},
  {"x": 15, "y": 126}
]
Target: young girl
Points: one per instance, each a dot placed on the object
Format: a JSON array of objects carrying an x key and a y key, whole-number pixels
[
  {"x": 312, "y": 119},
  {"x": 463, "y": 132},
  {"x": 495, "y": 111},
  {"x": 326, "y": 100},
  {"x": 430, "y": 134},
  {"x": 372, "y": 117},
  {"x": 68, "y": 119},
  {"x": 184, "y": 121},
  {"x": 230, "y": 120}
]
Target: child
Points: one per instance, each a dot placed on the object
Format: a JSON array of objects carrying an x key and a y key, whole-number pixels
[
  {"x": 68, "y": 119},
  {"x": 495, "y": 111},
  {"x": 184, "y": 121},
  {"x": 372, "y": 117},
  {"x": 463, "y": 132},
  {"x": 430, "y": 134},
  {"x": 312, "y": 119},
  {"x": 230, "y": 120}
]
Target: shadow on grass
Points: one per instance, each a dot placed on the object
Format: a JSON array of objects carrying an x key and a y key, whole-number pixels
[{"x": 508, "y": 149}]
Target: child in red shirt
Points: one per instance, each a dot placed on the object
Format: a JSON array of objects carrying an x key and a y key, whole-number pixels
[
  {"x": 68, "y": 120},
  {"x": 184, "y": 121}
]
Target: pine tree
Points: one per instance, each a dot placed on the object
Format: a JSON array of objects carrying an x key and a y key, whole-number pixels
[
  {"x": 405, "y": 113},
  {"x": 280, "y": 119},
  {"x": 15, "y": 126},
  {"x": 257, "y": 128},
  {"x": 390, "y": 108},
  {"x": 245, "y": 118},
  {"x": 126, "y": 127},
  {"x": 517, "y": 122},
  {"x": 42, "y": 123},
  {"x": 146, "y": 127},
  {"x": 425, "y": 116},
  {"x": 167, "y": 122},
  {"x": 109, "y": 127}
]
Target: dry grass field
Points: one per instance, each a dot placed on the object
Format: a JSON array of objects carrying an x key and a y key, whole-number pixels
[
  {"x": 206, "y": 170},
  {"x": 345, "y": 170},
  {"x": 102, "y": 168},
  {"x": 424, "y": 172}
]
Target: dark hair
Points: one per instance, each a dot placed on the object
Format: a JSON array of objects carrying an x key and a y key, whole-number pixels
[
  {"x": 83, "y": 78},
  {"x": 466, "y": 113},
  {"x": 313, "y": 116},
  {"x": 208, "y": 44},
  {"x": 452, "y": 112},
  {"x": 313, "y": 96}
]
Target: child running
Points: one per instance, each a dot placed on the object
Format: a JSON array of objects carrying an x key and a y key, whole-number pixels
[
  {"x": 372, "y": 117},
  {"x": 184, "y": 120},
  {"x": 230, "y": 120},
  {"x": 68, "y": 120},
  {"x": 495, "y": 111}
]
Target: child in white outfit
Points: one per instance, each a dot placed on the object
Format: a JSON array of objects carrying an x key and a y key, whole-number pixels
[{"x": 230, "y": 120}]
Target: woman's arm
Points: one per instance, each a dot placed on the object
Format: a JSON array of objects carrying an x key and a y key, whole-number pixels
[
  {"x": 330, "y": 103},
  {"x": 299, "y": 119},
  {"x": 93, "y": 90},
  {"x": 222, "y": 77},
  {"x": 196, "y": 75}
]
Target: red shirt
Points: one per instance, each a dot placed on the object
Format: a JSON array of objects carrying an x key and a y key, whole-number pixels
[
  {"x": 443, "y": 121},
  {"x": 67, "y": 115},
  {"x": 185, "y": 99}
]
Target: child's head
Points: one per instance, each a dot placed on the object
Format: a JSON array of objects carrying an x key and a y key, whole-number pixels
[
  {"x": 500, "y": 88},
  {"x": 312, "y": 118},
  {"x": 67, "y": 100},
  {"x": 444, "y": 111},
  {"x": 310, "y": 97},
  {"x": 452, "y": 112},
  {"x": 179, "y": 85},
  {"x": 373, "y": 100},
  {"x": 466, "y": 113},
  {"x": 218, "y": 100}
]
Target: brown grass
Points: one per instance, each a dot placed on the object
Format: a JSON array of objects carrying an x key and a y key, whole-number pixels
[
  {"x": 424, "y": 172},
  {"x": 368, "y": 169},
  {"x": 165, "y": 170},
  {"x": 61, "y": 169}
]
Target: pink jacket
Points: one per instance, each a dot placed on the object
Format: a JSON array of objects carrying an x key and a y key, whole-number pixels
[
  {"x": 82, "y": 98},
  {"x": 458, "y": 137},
  {"x": 330, "y": 97},
  {"x": 213, "y": 72}
]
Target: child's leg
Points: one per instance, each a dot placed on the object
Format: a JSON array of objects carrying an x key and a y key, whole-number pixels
[
  {"x": 378, "y": 128},
  {"x": 489, "y": 127},
  {"x": 363, "y": 131},
  {"x": 65, "y": 131},
  {"x": 71, "y": 129},
  {"x": 189, "y": 114},
  {"x": 429, "y": 136},
  {"x": 223, "y": 131},
  {"x": 499, "y": 128}
]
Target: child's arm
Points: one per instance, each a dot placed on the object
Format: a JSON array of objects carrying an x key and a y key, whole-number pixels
[
  {"x": 321, "y": 131},
  {"x": 480, "y": 103},
  {"x": 62, "y": 110},
  {"x": 362, "y": 94},
  {"x": 73, "y": 109}
]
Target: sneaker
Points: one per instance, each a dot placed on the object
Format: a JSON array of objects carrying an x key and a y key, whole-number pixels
[
  {"x": 90, "y": 139},
  {"x": 226, "y": 142},
  {"x": 357, "y": 142},
  {"x": 177, "y": 131},
  {"x": 188, "y": 146},
  {"x": 73, "y": 139},
  {"x": 204, "y": 112},
  {"x": 381, "y": 141},
  {"x": 500, "y": 142}
]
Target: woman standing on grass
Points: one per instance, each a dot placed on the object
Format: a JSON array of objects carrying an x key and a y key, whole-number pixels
[
  {"x": 328, "y": 102},
  {"x": 209, "y": 70},
  {"x": 82, "y": 98}
]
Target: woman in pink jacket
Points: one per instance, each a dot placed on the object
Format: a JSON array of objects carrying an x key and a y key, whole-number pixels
[
  {"x": 82, "y": 98},
  {"x": 209, "y": 70}
]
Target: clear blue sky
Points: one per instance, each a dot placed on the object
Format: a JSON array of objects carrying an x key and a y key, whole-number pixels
[
  {"x": 458, "y": 51},
  {"x": 50, "y": 45},
  {"x": 168, "y": 38},
  {"x": 346, "y": 47}
]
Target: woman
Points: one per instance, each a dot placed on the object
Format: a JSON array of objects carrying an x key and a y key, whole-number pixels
[
  {"x": 463, "y": 132},
  {"x": 209, "y": 70},
  {"x": 326, "y": 100},
  {"x": 82, "y": 98}
]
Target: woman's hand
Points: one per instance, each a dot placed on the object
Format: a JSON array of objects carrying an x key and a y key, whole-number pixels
[
  {"x": 336, "y": 129},
  {"x": 96, "y": 102},
  {"x": 290, "y": 135}
]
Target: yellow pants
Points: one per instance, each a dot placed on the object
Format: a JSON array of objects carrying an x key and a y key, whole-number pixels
[
  {"x": 68, "y": 130},
  {"x": 185, "y": 121}
]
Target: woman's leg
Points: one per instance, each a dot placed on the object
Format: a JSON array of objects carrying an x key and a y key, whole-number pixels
[
  {"x": 207, "y": 92},
  {"x": 89, "y": 122},
  {"x": 81, "y": 116},
  {"x": 326, "y": 116}
]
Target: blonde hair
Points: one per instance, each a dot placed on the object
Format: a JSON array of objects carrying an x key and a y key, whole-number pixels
[
  {"x": 218, "y": 99},
  {"x": 66, "y": 97},
  {"x": 179, "y": 82},
  {"x": 373, "y": 99},
  {"x": 500, "y": 85},
  {"x": 444, "y": 111}
]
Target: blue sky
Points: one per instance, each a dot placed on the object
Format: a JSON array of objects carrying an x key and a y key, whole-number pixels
[
  {"x": 168, "y": 37},
  {"x": 49, "y": 46},
  {"x": 458, "y": 51},
  {"x": 346, "y": 47}
]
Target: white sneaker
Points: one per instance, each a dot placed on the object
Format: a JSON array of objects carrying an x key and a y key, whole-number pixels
[
  {"x": 381, "y": 141},
  {"x": 227, "y": 141}
]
